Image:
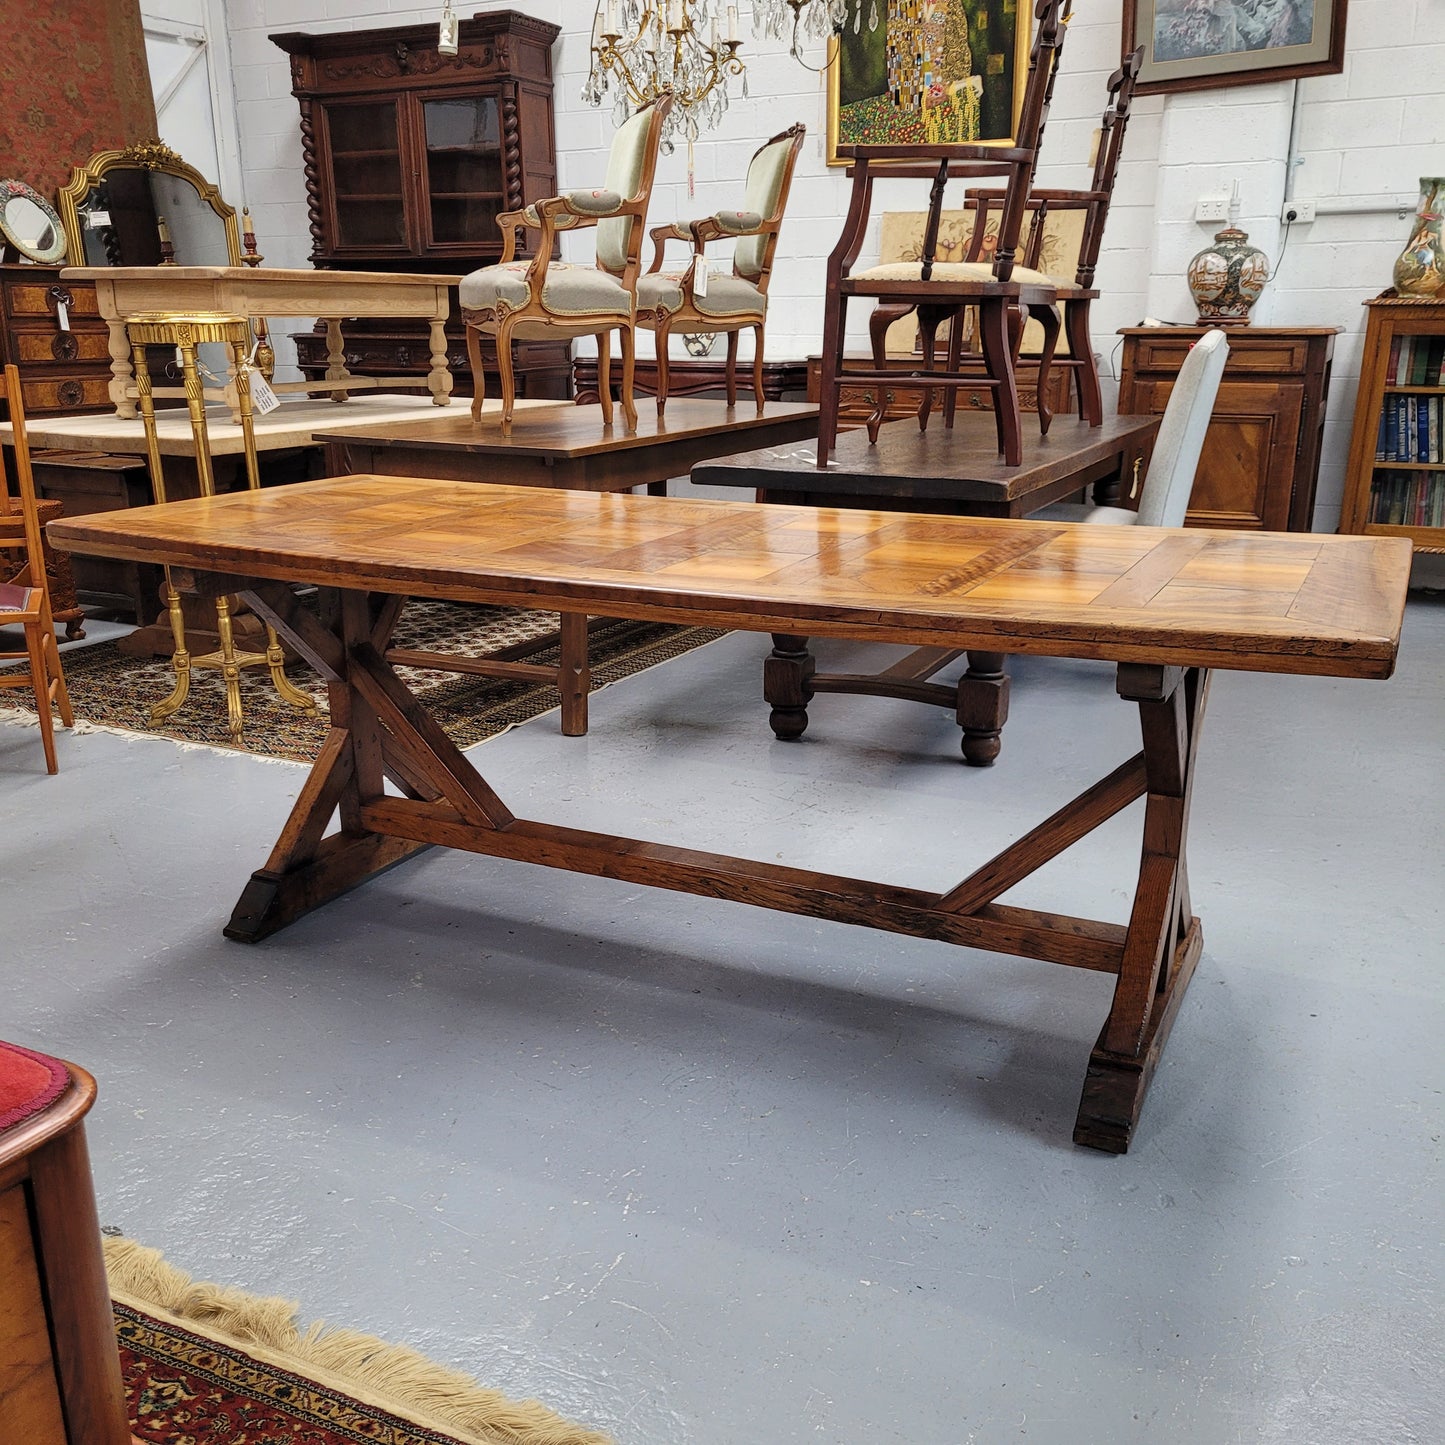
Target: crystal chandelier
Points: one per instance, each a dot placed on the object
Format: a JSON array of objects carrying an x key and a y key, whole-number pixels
[
  {"x": 642, "y": 47},
  {"x": 812, "y": 20}
]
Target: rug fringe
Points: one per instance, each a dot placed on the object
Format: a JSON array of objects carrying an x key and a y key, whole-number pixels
[
  {"x": 23, "y": 717},
  {"x": 391, "y": 1377}
]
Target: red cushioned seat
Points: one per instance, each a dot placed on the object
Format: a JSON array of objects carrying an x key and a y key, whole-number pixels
[
  {"x": 13, "y": 598},
  {"x": 29, "y": 1082}
]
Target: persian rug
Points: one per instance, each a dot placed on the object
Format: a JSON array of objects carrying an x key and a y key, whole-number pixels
[
  {"x": 204, "y": 1364},
  {"x": 110, "y": 690}
]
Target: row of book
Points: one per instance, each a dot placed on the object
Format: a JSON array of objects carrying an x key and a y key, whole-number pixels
[
  {"x": 1410, "y": 429},
  {"x": 1408, "y": 499},
  {"x": 1416, "y": 361}
]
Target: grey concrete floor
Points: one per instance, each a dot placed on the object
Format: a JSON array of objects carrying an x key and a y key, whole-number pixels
[{"x": 697, "y": 1173}]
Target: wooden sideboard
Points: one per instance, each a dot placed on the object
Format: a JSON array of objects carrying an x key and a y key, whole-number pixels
[
  {"x": 856, "y": 403},
  {"x": 1261, "y": 457},
  {"x": 64, "y": 357}
]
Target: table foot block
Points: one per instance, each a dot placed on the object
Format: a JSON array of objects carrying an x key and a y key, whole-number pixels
[
  {"x": 1115, "y": 1084},
  {"x": 271, "y": 900}
]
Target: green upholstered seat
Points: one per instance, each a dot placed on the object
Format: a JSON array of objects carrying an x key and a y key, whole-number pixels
[
  {"x": 726, "y": 295},
  {"x": 731, "y": 296},
  {"x": 569, "y": 290},
  {"x": 659, "y": 291}
]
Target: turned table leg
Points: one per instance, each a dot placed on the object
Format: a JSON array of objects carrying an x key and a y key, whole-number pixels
[
  {"x": 787, "y": 686},
  {"x": 983, "y": 706}
]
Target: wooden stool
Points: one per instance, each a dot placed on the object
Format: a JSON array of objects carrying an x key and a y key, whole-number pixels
[{"x": 60, "y": 1381}]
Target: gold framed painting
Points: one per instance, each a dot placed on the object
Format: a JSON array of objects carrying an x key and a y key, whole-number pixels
[
  {"x": 932, "y": 72},
  {"x": 1193, "y": 45}
]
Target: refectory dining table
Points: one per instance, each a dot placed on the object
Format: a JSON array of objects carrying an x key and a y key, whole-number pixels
[{"x": 1167, "y": 607}]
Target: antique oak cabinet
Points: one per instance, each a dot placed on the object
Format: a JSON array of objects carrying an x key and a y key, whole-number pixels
[
  {"x": 1261, "y": 457},
  {"x": 410, "y": 156}
]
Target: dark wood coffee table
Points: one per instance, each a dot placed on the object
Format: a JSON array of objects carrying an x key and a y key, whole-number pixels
[
  {"x": 944, "y": 470},
  {"x": 567, "y": 446},
  {"x": 958, "y": 472}
]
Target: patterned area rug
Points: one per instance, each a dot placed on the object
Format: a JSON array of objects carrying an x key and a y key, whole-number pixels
[
  {"x": 111, "y": 690},
  {"x": 208, "y": 1365}
]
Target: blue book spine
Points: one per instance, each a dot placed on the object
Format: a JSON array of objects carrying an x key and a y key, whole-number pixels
[
  {"x": 1422, "y": 430},
  {"x": 1392, "y": 430}
]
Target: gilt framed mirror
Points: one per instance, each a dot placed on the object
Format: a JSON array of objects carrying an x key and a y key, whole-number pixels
[
  {"x": 29, "y": 225},
  {"x": 123, "y": 207}
]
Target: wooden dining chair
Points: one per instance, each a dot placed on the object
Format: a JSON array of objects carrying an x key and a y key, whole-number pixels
[
  {"x": 1051, "y": 212},
  {"x": 25, "y": 597},
  {"x": 697, "y": 299},
  {"x": 940, "y": 290},
  {"x": 543, "y": 297}
]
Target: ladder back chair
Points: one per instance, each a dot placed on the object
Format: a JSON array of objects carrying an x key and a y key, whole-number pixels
[
  {"x": 1094, "y": 203},
  {"x": 697, "y": 299},
  {"x": 25, "y": 597},
  {"x": 940, "y": 290},
  {"x": 542, "y": 297},
  {"x": 1045, "y": 207}
]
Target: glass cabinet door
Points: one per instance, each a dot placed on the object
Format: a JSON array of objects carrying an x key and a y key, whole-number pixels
[
  {"x": 366, "y": 174},
  {"x": 465, "y": 190}
]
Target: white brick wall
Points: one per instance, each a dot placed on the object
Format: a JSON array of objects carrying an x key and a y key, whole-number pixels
[{"x": 1369, "y": 132}]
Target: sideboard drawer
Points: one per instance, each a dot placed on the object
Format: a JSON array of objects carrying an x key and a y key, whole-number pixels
[
  {"x": 34, "y": 299},
  {"x": 1267, "y": 356},
  {"x": 69, "y": 393},
  {"x": 59, "y": 348}
]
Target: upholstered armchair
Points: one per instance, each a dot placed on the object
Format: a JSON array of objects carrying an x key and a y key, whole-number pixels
[
  {"x": 698, "y": 299},
  {"x": 542, "y": 297}
]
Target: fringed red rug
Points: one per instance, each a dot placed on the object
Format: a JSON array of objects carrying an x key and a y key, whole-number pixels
[{"x": 208, "y": 1365}]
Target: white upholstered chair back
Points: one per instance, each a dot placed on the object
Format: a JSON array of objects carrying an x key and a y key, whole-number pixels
[
  {"x": 626, "y": 163},
  {"x": 1165, "y": 497}
]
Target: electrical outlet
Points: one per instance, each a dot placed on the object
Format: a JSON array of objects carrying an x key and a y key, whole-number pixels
[
  {"x": 1212, "y": 208},
  {"x": 1297, "y": 211}
]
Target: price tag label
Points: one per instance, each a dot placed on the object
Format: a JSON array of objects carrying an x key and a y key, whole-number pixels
[
  {"x": 62, "y": 315},
  {"x": 263, "y": 399},
  {"x": 699, "y": 276},
  {"x": 96, "y": 219}
]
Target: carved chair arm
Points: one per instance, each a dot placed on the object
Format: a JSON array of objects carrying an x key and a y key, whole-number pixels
[{"x": 661, "y": 235}]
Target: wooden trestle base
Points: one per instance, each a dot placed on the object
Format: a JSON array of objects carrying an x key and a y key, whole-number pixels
[
  {"x": 381, "y": 732},
  {"x": 978, "y": 700}
]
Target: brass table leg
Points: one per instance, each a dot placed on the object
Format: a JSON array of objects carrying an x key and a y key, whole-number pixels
[
  {"x": 180, "y": 658},
  {"x": 186, "y": 333}
]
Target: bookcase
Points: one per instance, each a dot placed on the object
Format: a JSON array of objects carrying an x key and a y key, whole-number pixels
[
  {"x": 409, "y": 157},
  {"x": 1395, "y": 482}
]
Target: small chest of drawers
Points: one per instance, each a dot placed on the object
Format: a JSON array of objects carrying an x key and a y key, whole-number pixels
[{"x": 63, "y": 356}]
